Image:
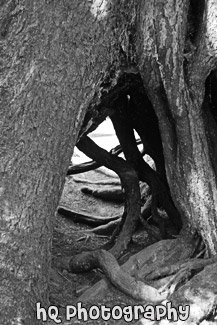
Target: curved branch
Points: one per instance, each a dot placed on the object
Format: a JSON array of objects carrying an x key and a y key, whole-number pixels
[
  {"x": 91, "y": 165},
  {"x": 124, "y": 131},
  {"x": 130, "y": 184}
]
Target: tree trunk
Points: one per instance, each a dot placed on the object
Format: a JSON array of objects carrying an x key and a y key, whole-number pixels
[
  {"x": 58, "y": 59},
  {"x": 174, "y": 76},
  {"x": 55, "y": 55}
]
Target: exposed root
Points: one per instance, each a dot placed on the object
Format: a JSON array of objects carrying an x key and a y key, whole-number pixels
[
  {"x": 121, "y": 279},
  {"x": 130, "y": 184},
  {"x": 180, "y": 278},
  {"x": 145, "y": 213},
  {"x": 189, "y": 264},
  {"x": 110, "y": 194},
  {"x": 85, "y": 218},
  {"x": 105, "y": 229},
  {"x": 124, "y": 130},
  {"x": 156, "y": 217},
  {"x": 82, "y": 168},
  {"x": 146, "y": 209},
  {"x": 116, "y": 232},
  {"x": 144, "y": 263},
  {"x": 124, "y": 282},
  {"x": 84, "y": 262},
  {"x": 184, "y": 249}
]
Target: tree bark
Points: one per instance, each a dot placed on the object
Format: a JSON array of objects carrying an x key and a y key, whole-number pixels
[
  {"x": 175, "y": 81},
  {"x": 52, "y": 66},
  {"x": 55, "y": 67}
]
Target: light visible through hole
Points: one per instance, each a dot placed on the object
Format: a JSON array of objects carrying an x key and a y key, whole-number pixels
[
  {"x": 99, "y": 8},
  {"x": 104, "y": 136}
]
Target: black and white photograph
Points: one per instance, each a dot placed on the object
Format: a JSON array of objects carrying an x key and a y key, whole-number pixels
[{"x": 108, "y": 162}]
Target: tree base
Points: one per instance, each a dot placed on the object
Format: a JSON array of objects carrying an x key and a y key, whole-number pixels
[{"x": 162, "y": 256}]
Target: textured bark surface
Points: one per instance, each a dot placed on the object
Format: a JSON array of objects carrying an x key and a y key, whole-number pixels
[
  {"x": 58, "y": 59},
  {"x": 174, "y": 77},
  {"x": 52, "y": 66}
]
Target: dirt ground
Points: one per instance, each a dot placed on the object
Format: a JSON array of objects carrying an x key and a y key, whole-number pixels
[{"x": 70, "y": 239}]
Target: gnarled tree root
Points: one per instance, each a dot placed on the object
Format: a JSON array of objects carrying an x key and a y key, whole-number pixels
[
  {"x": 130, "y": 184},
  {"x": 124, "y": 129},
  {"x": 140, "y": 265},
  {"x": 122, "y": 280}
]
